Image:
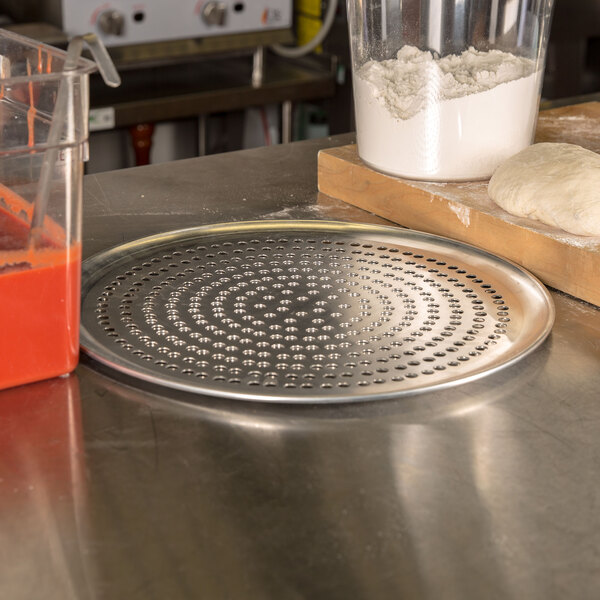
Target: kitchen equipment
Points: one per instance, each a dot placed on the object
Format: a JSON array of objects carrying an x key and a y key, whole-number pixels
[
  {"x": 129, "y": 22},
  {"x": 464, "y": 211},
  {"x": 41, "y": 158},
  {"x": 308, "y": 311},
  {"x": 445, "y": 90}
]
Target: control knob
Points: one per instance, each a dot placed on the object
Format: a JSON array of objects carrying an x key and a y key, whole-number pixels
[
  {"x": 214, "y": 13},
  {"x": 111, "y": 22}
]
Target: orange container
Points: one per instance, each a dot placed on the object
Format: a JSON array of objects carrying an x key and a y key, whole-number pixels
[{"x": 40, "y": 271}]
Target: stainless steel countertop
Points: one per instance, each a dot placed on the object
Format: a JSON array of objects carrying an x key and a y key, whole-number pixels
[{"x": 114, "y": 489}]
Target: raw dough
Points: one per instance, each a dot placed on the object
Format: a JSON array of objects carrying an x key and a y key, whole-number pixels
[{"x": 558, "y": 184}]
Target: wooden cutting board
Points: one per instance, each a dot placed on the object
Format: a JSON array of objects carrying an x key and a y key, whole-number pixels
[{"x": 463, "y": 211}]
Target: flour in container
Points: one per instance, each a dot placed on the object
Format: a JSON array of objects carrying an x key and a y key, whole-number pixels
[{"x": 445, "y": 119}]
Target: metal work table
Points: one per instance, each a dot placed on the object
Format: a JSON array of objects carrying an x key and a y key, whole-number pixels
[{"x": 114, "y": 489}]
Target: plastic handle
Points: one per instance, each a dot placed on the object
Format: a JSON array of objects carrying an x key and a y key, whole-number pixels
[{"x": 103, "y": 60}]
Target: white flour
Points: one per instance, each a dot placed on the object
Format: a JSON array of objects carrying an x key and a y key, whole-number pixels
[{"x": 443, "y": 119}]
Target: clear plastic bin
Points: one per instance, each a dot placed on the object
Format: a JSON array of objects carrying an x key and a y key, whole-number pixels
[
  {"x": 445, "y": 90},
  {"x": 40, "y": 274}
]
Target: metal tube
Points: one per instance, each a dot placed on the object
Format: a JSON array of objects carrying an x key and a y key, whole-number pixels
[
  {"x": 286, "y": 121},
  {"x": 258, "y": 66}
]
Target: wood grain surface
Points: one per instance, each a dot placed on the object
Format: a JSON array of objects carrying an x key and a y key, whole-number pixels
[{"x": 464, "y": 211}]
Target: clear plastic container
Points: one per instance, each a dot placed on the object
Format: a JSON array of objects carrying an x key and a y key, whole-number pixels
[
  {"x": 40, "y": 274},
  {"x": 446, "y": 90}
]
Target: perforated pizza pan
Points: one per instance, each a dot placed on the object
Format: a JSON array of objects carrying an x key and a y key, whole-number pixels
[{"x": 308, "y": 311}]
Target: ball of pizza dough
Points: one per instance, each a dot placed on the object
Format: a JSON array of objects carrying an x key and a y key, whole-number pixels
[{"x": 558, "y": 184}]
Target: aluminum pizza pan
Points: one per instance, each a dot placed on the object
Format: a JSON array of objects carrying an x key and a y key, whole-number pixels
[{"x": 308, "y": 311}]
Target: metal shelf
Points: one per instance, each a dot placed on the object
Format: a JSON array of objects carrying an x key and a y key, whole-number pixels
[{"x": 222, "y": 84}]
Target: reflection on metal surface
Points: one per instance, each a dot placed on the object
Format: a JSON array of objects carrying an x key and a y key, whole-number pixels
[
  {"x": 376, "y": 495},
  {"x": 266, "y": 419},
  {"x": 308, "y": 312},
  {"x": 43, "y": 496}
]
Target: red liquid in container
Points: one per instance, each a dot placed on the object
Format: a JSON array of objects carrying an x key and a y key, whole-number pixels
[{"x": 39, "y": 304}]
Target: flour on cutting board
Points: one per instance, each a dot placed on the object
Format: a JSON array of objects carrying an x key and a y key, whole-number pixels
[
  {"x": 572, "y": 118},
  {"x": 462, "y": 212},
  {"x": 575, "y": 124},
  {"x": 462, "y": 198}
]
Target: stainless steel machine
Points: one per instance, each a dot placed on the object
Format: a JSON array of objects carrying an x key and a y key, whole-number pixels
[{"x": 127, "y": 22}]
